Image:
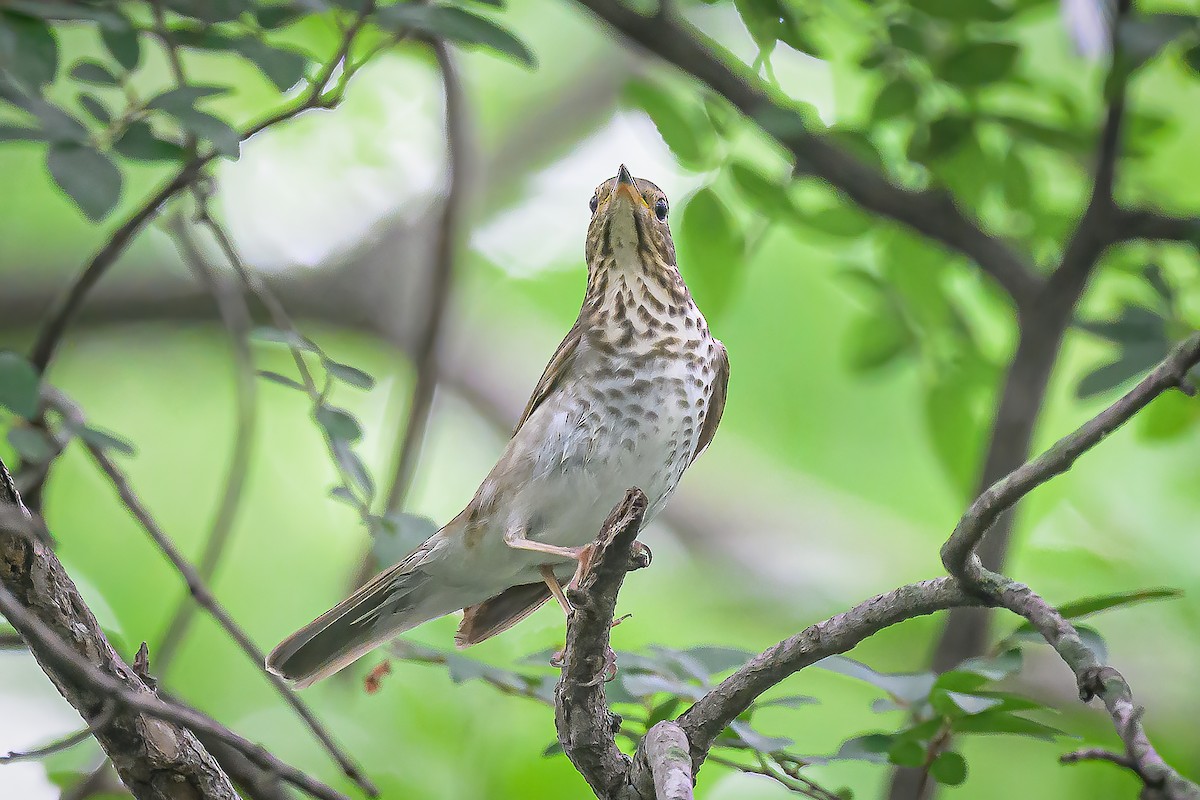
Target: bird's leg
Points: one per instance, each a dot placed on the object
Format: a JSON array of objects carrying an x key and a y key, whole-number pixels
[
  {"x": 515, "y": 538},
  {"x": 556, "y": 589}
]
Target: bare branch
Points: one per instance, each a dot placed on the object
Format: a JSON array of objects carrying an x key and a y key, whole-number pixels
[
  {"x": 40, "y": 601},
  {"x": 231, "y": 306},
  {"x": 664, "y": 754},
  {"x": 67, "y": 664},
  {"x": 424, "y": 350},
  {"x": 705, "y": 720},
  {"x": 929, "y": 212},
  {"x": 205, "y": 598},
  {"x": 958, "y": 552},
  {"x": 67, "y": 742},
  {"x": 1147, "y": 223},
  {"x": 586, "y": 727}
]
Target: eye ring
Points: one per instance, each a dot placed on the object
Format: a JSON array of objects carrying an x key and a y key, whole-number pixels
[
  {"x": 595, "y": 201},
  {"x": 660, "y": 209}
]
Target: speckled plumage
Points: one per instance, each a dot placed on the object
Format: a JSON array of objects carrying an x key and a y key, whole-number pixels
[{"x": 630, "y": 398}]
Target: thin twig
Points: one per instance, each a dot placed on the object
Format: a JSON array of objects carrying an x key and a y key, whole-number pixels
[
  {"x": 67, "y": 742},
  {"x": 67, "y": 306},
  {"x": 206, "y": 600},
  {"x": 441, "y": 270},
  {"x": 231, "y": 306}
]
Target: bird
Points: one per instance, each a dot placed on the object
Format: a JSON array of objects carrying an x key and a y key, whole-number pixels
[{"x": 631, "y": 397}]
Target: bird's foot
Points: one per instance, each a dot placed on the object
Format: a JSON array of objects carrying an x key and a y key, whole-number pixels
[{"x": 606, "y": 673}]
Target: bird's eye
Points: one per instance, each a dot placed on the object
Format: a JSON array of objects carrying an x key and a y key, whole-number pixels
[
  {"x": 595, "y": 201},
  {"x": 660, "y": 209}
]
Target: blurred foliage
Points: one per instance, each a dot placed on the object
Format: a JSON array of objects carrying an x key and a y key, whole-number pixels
[{"x": 863, "y": 355}]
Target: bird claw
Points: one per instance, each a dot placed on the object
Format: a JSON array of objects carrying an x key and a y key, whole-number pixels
[
  {"x": 639, "y": 556},
  {"x": 608, "y": 672}
]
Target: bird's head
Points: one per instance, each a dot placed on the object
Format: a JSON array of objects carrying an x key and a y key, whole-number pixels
[{"x": 629, "y": 226}]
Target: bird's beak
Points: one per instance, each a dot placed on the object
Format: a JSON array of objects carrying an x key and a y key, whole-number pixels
[{"x": 625, "y": 186}]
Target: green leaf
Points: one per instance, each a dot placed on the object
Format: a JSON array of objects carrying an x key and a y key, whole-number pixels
[
  {"x": 92, "y": 71},
  {"x": 212, "y": 129},
  {"x": 348, "y": 374},
  {"x": 946, "y": 135},
  {"x": 19, "y": 385},
  {"x": 955, "y": 704},
  {"x": 949, "y": 768},
  {"x": 1087, "y": 606},
  {"x": 457, "y": 25},
  {"x": 139, "y": 142},
  {"x": 897, "y": 98},
  {"x": 398, "y": 535},
  {"x": 663, "y": 711},
  {"x": 868, "y": 747},
  {"x": 712, "y": 248},
  {"x": 980, "y": 63},
  {"x": 88, "y": 176},
  {"x": 1167, "y": 417},
  {"x": 683, "y": 125},
  {"x": 908, "y": 687},
  {"x": 996, "y": 721},
  {"x": 759, "y": 741},
  {"x": 59, "y": 10},
  {"x": 104, "y": 440},
  {"x": 906, "y": 754},
  {"x": 790, "y": 701},
  {"x": 768, "y": 196},
  {"x": 28, "y": 50},
  {"x": 907, "y": 37},
  {"x": 716, "y": 659},
  {"x": 274, "y": 17},
  {"x": 646, "y": 684},
  {"x": 877, "y": 338},
  {"x": 93, "y": 106},
  {"x": 764, "y": 19},
  {"x": 338, "y": 423},
  {"x": 993, "y": 668},
  {"x": 124, "y": 46},
  {"x": 210, "y": 10},
  {"x": 282, "y": 66},
  {"x": 183, "y": 98},
  {"x": 960, "y": 11},
  {"x": 1154, "y": 276},
  {"x": 17, "y": 133},
  {"x": 1135, "y": 325},
  {"x": 1134, "y": 362},
  {"x": 552, "y": 749},
  {"x": 354, "y": 467},
  {"x": 33, "y": 445},
  {"x": 283, "y": 380},
  {"x": 1141, "y": 37},
  {"x": 276, "y": 336}
]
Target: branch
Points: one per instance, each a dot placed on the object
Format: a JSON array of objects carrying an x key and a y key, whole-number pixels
[
  {"x": 424, "y": 350},
  {"x": 68, "y": 304},
  {"x": 64, "y": 663},
  {"x": 929, "y": 212},
  {"x": 67, "y": 742},
  {"x": 705, "y": 720},
  {"x": 231, "y": 306},
  {"x": 40, "y": 601},
  {"x": 205, "y": 598},
  {"x": 1094, "y": 678},
  {"x": 664, "y": 755},
  {"x": 1147, "y": 223},
  {"x": 958, "y": 552},
  {"x": 586, "y": 727}
]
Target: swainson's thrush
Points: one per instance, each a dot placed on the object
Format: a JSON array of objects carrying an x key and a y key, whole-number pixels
[{"x": 631, "y": 397}]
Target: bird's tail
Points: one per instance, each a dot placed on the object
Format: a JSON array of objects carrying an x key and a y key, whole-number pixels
[{"x": 392, "y": 602}]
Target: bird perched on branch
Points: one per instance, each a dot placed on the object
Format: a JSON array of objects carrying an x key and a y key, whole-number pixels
[{"x": 631, "y": 397}]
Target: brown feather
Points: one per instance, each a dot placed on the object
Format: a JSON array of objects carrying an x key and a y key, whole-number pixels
[
  {"x": 500, "y": 613},
  {"x": 716, "y": 401},
  {"x": 559, "y": 366}
]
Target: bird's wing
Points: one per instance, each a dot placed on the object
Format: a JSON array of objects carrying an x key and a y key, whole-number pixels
[
  {"x": 559, "y": 366},
  {"x": 716, "y": 401}
]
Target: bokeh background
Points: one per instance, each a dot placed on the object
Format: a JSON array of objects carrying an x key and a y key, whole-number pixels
[{"x": 835, "y": 474}]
